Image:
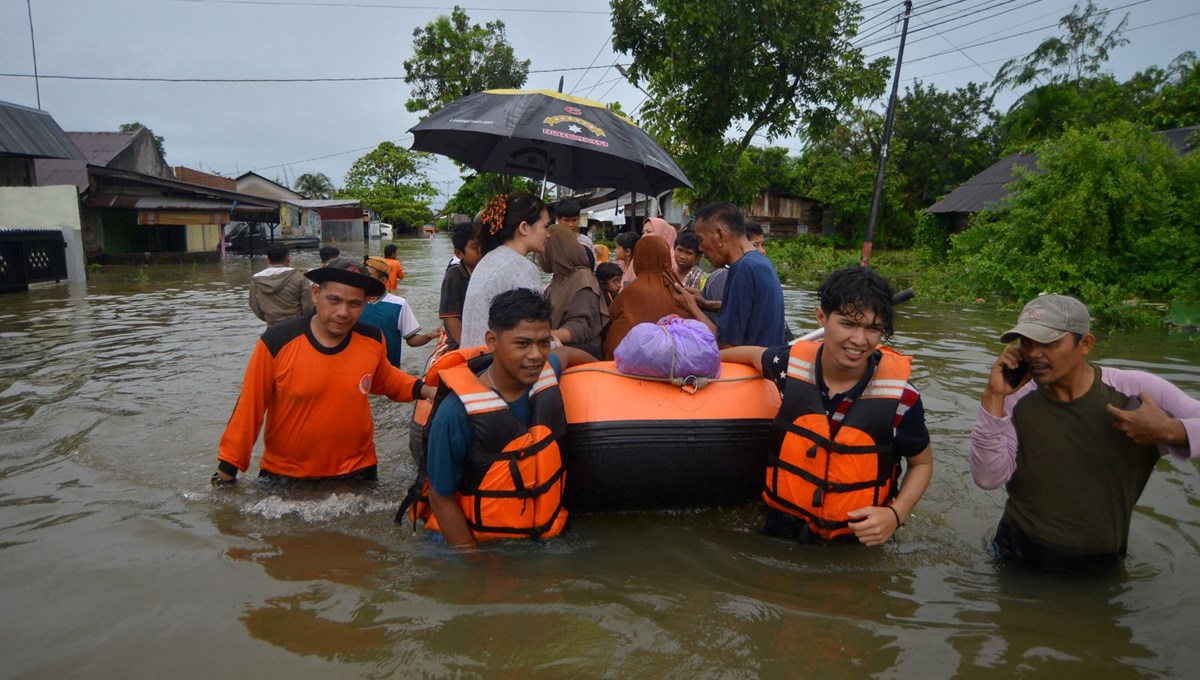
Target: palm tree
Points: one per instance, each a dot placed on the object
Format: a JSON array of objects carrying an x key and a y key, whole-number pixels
[{"x": 314, "y": 185}]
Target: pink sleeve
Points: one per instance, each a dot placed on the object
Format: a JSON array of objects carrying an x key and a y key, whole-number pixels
[
  {"x": 1172, "y": 399},
  {"x": 994, "y": 444}
]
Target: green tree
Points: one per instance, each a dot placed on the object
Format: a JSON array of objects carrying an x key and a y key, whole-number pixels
[
  {"x": 391, "y": 181},
  {"x": 477, "y": 189},
  {"x": 1078, "y": 54},
  {"x": 948, "y": 137},
  {"x": 453, "y": 58},
  {"x": 768, "y": 67},
  {"x": 135, "y": 126},
  {"x": 839, "y": 171},
  {"x": 1111, "y": 215},
  {"x": 1177, "y": 101},
  {"x": 314, "y": 185}
]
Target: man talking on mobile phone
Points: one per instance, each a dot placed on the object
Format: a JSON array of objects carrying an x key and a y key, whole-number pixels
[{"x": 1073, "y": 443}]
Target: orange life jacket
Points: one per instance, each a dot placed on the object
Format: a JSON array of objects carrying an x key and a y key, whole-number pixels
[
  {"x": 819, "y": 478},
  {"x": 513, "y": 483}
]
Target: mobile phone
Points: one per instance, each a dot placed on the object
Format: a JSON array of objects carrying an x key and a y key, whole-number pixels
[
  {"x": 1132, "y": 403},
  {"x": 1014, "y": 376}
]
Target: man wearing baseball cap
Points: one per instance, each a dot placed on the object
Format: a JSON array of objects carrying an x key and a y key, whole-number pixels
[
  {"x": 1074, "y": 443},
  {"x": 309, "y": 378}
]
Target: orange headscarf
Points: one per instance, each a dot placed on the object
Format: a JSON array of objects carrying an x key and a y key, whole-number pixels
[{"x": 650, "y": 297}]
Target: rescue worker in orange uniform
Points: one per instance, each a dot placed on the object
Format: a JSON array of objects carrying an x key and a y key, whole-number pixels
[
  {"x": 849, "y": 417},
  {"x": 494, "y": 469},
  {"x": 308, "y": 379}
]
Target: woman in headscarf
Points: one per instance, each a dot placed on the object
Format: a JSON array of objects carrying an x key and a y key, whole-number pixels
[
  {"x": 650, "y": 297},
  {"x": 660, "y": 227},
  {"x": 577, "y": 310}
]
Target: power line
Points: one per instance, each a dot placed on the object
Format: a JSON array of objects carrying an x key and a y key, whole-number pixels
[
  {"x": 331, "y": 155},
  {"x": 961, "y": 15},
  {"x": 981, "y": 20},
  {"x": 256, "y": 80},
  {"x": 581, "y": 75},
  {"x": 1042, "y": 28},
  {"x": 859, "y": 40},
  {"x": 989, "y": 74},
  {"x": 369, "y": 5}
]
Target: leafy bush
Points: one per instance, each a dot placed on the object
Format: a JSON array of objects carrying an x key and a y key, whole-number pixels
[
  {"x": 931, "y": 238},
  {"x": 1113, "y": 217}
]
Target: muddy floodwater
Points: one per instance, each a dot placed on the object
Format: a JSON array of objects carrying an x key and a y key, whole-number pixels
[{"x": 117, "y": 559}]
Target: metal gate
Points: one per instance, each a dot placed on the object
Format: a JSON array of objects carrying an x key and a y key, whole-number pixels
[{"x": 31, "y": 256}]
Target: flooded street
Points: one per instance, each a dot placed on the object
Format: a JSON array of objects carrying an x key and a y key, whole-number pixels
[{"x": 118, "y": 560}]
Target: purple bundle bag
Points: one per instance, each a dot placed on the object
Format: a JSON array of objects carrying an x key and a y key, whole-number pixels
[{"x": 672, "y": 348}]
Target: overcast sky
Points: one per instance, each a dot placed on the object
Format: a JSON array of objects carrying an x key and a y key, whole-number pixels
[{"x": 273, "y": 128}]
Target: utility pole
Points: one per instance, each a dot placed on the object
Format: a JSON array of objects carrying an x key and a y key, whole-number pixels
[
  {"x": 887, "y": 136},
  {"x": 33, "y": 45}
]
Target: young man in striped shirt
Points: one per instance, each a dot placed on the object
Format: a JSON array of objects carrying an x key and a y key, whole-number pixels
[{"x": 849, "y": 418}]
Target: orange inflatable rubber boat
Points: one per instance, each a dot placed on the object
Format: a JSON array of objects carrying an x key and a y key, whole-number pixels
[{"x": 642, "y": 443}]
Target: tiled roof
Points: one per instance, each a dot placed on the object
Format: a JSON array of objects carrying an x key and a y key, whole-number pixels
[{"x": 186, "y": 174}]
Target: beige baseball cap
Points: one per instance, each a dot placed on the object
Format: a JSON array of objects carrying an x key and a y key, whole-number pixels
[{"x": 1048, "y": 318}]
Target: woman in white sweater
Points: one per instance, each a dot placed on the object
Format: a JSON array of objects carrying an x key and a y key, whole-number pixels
[{"x": 511, "y": 228}]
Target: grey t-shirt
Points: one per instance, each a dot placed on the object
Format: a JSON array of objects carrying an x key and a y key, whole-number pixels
[{"x": 499, "y": 271}]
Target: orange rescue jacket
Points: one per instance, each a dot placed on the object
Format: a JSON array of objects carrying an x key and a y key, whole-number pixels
[
  {"x": 820, "y": 478},
  {"x": 513, "y": 483}
]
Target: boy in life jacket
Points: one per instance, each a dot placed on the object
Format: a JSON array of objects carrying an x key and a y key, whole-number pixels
[
  {"x": 849, "y": 417},
  {"x": 493, "y": 463}
]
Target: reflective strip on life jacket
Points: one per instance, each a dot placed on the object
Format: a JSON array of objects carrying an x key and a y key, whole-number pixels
[{"x": 514, "y": 478}]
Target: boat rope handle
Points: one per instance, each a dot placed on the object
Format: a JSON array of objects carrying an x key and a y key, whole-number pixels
[{"x": 690, "y": 381}]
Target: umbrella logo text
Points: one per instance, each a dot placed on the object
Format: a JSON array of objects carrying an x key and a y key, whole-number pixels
[{"x": 576, "y": 126}]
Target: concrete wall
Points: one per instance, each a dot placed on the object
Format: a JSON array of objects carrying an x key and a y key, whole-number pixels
[{"x": 54, "y": 207}]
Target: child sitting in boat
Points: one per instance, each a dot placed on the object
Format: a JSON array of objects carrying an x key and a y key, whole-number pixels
[
  {"x": 849, "y": 417},
  {"x": 609, "y": 275},
  {"x": 687, "y": 260}
]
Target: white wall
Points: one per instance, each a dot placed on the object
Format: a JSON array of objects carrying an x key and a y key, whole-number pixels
[{"x": 54, "y": 207}]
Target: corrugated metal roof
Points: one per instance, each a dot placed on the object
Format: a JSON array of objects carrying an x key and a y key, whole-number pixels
[
  {"x": 985, "y": 190},
  {"x": 1183, "y": 139},
  {"x": 99, "y": 148},
  {"x": 324, "y": 202},
  {"x": 32, "y": 133}
]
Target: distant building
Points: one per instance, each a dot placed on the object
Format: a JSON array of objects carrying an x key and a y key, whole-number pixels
[
  {"x": 134, "y": 209},
  {"x": 987, "y": 190},
  {"x": 40, "y": 235},
  {"x": 186, "y": 174},
  {"x": 255, "y": 184}
]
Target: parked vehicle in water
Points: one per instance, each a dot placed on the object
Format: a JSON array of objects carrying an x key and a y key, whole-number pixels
[{"x": 257, "y": 236}]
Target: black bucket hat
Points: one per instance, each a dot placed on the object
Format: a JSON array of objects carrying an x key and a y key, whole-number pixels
[{"x": 347, "y": 272}]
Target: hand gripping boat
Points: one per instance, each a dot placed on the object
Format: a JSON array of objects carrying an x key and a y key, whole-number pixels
[{"x": 637, "y": 443}]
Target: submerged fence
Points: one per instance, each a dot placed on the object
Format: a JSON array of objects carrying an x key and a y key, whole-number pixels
[{"x": 31, "y": 256}]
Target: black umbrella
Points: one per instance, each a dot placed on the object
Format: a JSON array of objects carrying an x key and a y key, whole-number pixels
[{"x": 570, "y": 141}]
